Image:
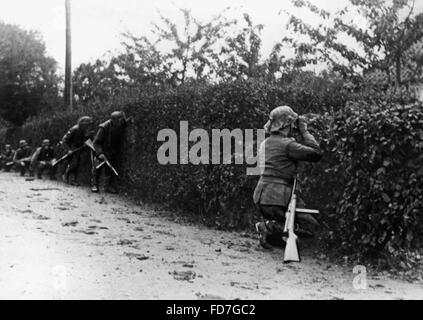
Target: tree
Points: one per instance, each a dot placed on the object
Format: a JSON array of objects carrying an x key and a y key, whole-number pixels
[
  {"x": 28, "y": 80},
  {"x": 391, "y": 28},
  {"x": 96, "y": 82},
  {"x": 191, "y": 54},
  {"x": 240, "y": 56}
]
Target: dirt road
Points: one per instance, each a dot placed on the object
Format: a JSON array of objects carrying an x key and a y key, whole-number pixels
[{"x": 62, "y": 242}]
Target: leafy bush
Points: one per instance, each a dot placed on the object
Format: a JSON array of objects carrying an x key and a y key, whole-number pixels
[
  {"x": 368, "y": 185},
  {"x": 372, "y": 197}
]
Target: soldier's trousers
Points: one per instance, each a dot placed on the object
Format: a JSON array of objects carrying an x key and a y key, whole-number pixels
[
  {"x": 23, "y": 166},
  {"x": 45, "y": 165},
  {"x": 73, "y": 165},
  {"x": 108, "y": 173},
  {"x": 4, "y": 166},
  {"x": 274, "y": 217}
]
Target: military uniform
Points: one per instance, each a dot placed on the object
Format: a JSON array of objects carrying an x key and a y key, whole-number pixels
[
  {"x": 43, "y": 160},
  {"x": 108, "y": 142},
  {"x": 6, "y": 158},
  {"x": 22, "y": 159},
  {"x": 279, "y": 157},
  {"x": 72, "y": 140}
]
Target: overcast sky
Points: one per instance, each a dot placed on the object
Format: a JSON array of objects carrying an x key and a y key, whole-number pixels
[{"x": 97, "y": 24}]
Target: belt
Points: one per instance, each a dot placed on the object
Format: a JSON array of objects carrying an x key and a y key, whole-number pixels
[{"x": 272, "y": 179}]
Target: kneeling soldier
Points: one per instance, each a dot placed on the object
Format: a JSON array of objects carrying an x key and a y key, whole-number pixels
[
  {"x": 107, "y": 144},
  {"x": 22, "y": 158},
  {"x": 280, "y": 154},
  {"x": 6, "y": 157},
  {"x": 43, "y": 159}
]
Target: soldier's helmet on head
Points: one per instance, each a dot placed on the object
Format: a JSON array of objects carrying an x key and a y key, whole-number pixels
[
  {"x": 117, "y": 117},
  {"x": 85, "y": 122},
  {"x": 8, "y": 147},
  {"x": 22, "y": 143},
  {"x": 46, "y": 143},
  {"x": 280, "y": 118}
]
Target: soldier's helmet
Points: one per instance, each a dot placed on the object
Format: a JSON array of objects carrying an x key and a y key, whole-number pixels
[
  {"x": 280, "y": 118},
  {"x": 45, "y": 143},
  {"x": 118, "y": 117},
  {"x": 85, "y": 121},
  {"x": 8, "y": 146},
  {"x": 22, "y": 143}
]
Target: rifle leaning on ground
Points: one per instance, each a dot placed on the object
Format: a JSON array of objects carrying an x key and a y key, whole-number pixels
[
  {"x": 66, "y": 156},
  {"x": 291, "y": 253},
  {"x": 105, "y": 161}
]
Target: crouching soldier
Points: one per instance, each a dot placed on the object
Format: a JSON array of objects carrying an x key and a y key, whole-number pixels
[
  {"x": 22, "y": 158},
  {"x": 6, "y": 158},
  {"x": 280, "y": 154},
  {"x": 43, "y": 160},
  {"x": 107, "y": 143},
  {"x": 73, "y": 143}
]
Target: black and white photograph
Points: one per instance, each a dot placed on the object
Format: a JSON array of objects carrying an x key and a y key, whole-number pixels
[{"x": 228, "y": 152}]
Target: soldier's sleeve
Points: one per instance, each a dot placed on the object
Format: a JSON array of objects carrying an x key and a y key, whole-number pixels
[
  {"x": 29, "y": 157},
  {"x": 98, "y": 141},
  {"x": 308, "y": 150},
  {"x": 67, "y": 138}
]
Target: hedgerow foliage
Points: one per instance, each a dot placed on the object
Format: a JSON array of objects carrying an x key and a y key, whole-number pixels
[{"x": 368, "y": 186}]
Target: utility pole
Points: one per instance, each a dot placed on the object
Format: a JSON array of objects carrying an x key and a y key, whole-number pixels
[{"x": 68, "y": 67}]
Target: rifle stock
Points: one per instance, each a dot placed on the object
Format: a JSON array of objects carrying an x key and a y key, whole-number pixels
[
  {"x": 105, "y": 162},
  {"x": 56, "y": 162},
  {"x": 90, "y": 145},
  {"x": 111, "y": 167},
  {"x": 291, "y": 253}
]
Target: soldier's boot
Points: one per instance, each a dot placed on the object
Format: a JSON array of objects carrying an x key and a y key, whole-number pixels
[
  {"x": 74, "y": 181},
  {"x": 30, "y": 169},
  {"x": 65, "y": 176},
  {"x": 110, "y": 185},
  {"x": 40, "y": 172},
  {"x": 52, "y": 173},
  {"x": 94, "y": 185},
  {"x": 22, "y": 169},
  {"x": 111, "y": 189},
  {"x": 95, "y": 179},
  {"x": 263, "y": 232},
  {"x": 276, "y": 233}
]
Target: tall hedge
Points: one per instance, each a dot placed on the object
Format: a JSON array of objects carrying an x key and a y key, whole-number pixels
[{"x": 368, "y": 185}]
